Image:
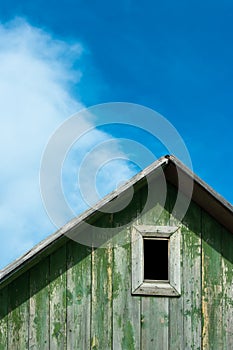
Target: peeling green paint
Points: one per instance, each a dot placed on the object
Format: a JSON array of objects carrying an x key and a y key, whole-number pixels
[
  {"x": 128, "y": 338},
  {"x": 117, "y": 283},
  {"x": 78, "y": 299},
  {"x": 69, "y": 297}
]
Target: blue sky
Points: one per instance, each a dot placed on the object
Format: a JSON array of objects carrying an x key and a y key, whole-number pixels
[{"x": 57, "y": 57}]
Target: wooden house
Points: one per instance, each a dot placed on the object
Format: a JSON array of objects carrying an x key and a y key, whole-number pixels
[{"x": 159, "y": 282}]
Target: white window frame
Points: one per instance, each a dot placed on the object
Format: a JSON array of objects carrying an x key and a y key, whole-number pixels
[{"x": 140, "y": 286}]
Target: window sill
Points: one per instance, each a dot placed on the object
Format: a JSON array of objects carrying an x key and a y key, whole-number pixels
[{"x": 156, "y": 288}]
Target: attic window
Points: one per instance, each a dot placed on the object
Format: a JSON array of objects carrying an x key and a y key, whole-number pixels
[{"x": 155, "y": 260}]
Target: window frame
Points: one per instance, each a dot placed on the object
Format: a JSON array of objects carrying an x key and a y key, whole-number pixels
[{"x": 140, "y": 286}]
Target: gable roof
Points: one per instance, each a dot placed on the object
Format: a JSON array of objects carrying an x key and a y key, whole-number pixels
[{"x": 202, "y": 194}]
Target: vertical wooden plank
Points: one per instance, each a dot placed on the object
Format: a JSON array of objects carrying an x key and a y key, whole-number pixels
[
  {"x": 227, "y": 272},
  {"x": 136, "y": 259},
  {"x": 39, "y": 306},
  {"x": 18, "y": 313},
  {"x": 155, "y": 321},
  {"x": 58, "y": 299},
  {"x": 211, "y": 284},
  {"x": 126, "y": 308},
  {"x": 185, "y": 311},
  {"x": 3, "y": 318},
  {"x": 191, "y": 232},
  {"x": 101, "y": 307},
  {"x": 176, "y": 317},
  {"x": 78, "y": 296},
  {"x": 155, "y": 310}
]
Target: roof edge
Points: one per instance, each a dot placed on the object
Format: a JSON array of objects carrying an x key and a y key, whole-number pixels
[
  {"x": 45, "y": 247},
  {"x": 40, "y": 248}
]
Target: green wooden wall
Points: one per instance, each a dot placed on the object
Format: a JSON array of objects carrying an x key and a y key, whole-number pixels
[{"x": 80, "y": 298}]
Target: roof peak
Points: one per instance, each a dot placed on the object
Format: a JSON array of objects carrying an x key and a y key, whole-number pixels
[{"x": 202, "y": 194}]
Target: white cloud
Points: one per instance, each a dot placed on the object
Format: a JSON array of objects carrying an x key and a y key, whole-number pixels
[{"x": 36, "y": 76}]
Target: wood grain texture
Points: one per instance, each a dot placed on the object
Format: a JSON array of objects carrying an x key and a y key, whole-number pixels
[
  {"x": 78, "y": 296},
  {"x": 176, "y": 329},
  {"x": 58, "y": 299},
  {"x": 126, "y": 309},
  {"x": 101, "y": 317},
  {"x": 155, "y": 323},
  {"x": 212, "y": 293},
  {"x": 151, "y": 230},
  {"x": 39, "y": 306},
  {"x": 191, "y": 231},
  {"x": 18, "y": 313},
  {"x": 227, "y": 288},
  {"x": 175, "y": 261},
  {"x": 136, "y": 262}
]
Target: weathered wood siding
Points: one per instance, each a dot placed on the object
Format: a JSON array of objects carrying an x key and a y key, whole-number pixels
[{"x": 80, "y": 298}]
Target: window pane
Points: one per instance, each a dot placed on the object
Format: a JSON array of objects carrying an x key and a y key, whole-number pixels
[{"x": 156, "y": 259}]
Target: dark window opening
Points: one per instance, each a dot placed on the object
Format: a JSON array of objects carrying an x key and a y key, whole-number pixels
[{"x": 156, "y": 259}]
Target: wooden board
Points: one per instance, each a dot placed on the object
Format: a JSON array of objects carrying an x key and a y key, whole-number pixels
[
  {"x": 227, "y": 289},
  {"x": 126, "y": 309},
  {"x": 101, "y": 303},
  {"x": 18, "y": 313},
  {"x": 212, "y": 293},
  {"x": 58, "y": 299},
  {"x": 78, "y": 296},
  {"x": 191, "y": 232},
  {"x": 39, "y": 306},
  {"x": 176, "y": 319},
  {"x": 101, "y": 318}
]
